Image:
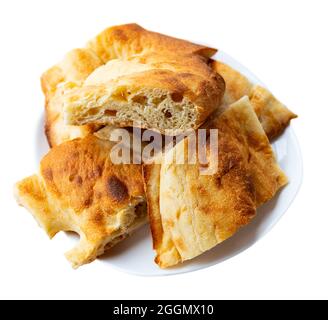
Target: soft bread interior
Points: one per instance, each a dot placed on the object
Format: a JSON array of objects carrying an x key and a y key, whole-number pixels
[
  {"x": 108, "y": 97},
  {"x": 154, "y": 109}
]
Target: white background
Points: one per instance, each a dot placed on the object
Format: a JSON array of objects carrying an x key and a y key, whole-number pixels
[{"x": 283, "y": 42}]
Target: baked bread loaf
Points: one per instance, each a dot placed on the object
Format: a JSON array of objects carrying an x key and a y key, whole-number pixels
[
  {"x": 191, "y": 213},
  {"x": 79, "y": 189},
  {"x": 273, "y": 115},
  {"x": 148, "y": 80}
]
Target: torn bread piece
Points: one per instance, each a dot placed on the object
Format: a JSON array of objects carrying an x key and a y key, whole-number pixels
[
  {"x": 273, "y": 115},
  {"x": 148, "y": 80},
  {"x": 191, "y": 213},
  {"x": 79, "y": 189}
]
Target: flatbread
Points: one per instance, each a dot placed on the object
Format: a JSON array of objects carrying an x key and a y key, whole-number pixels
[
  {"x": 273, "y": 115},
  {"x": 191, "y": 213},
  {"x": 79, "y": 189}
]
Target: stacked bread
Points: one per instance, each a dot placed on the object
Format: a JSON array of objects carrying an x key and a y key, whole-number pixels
[{"x": 130, "y": 77}]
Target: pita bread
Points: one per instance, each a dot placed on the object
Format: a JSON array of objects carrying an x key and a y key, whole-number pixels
[
  {"x": 191, "y": 213},
  {"x": 273, "y": 115},
  {"x": 79, "y": 189}
]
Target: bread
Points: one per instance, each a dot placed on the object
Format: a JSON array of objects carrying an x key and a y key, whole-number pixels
[
  {"x": 76, "y": 66},
  {"x": 273, "y": 115},
  {"x": 191, "y": 213},
  {"x": 148, "y": 80},
  {"x": 79, "y": 189},
  {"x": 266, "y": 174}
]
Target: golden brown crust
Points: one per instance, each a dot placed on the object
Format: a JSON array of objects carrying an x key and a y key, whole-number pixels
[
  {"x": 266, "y": 174},
  {"x": 237, "y": 85},
  {"x": 273, "y": 115},
  {"x": 191, "y": 212},
  {"x": 131, "y": 39},
  {"x": 79, "y": 189}
]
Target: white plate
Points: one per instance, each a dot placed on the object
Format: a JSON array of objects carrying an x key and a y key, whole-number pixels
[{"x": 135, "y": 255}]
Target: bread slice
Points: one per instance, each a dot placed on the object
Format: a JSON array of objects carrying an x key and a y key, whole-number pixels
[
  {"x": 191, "y": 213},
  {"x": 79, "y": 189},
  {"x": 148, "y": 80},
  {"x": 273, "y": 115}
]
